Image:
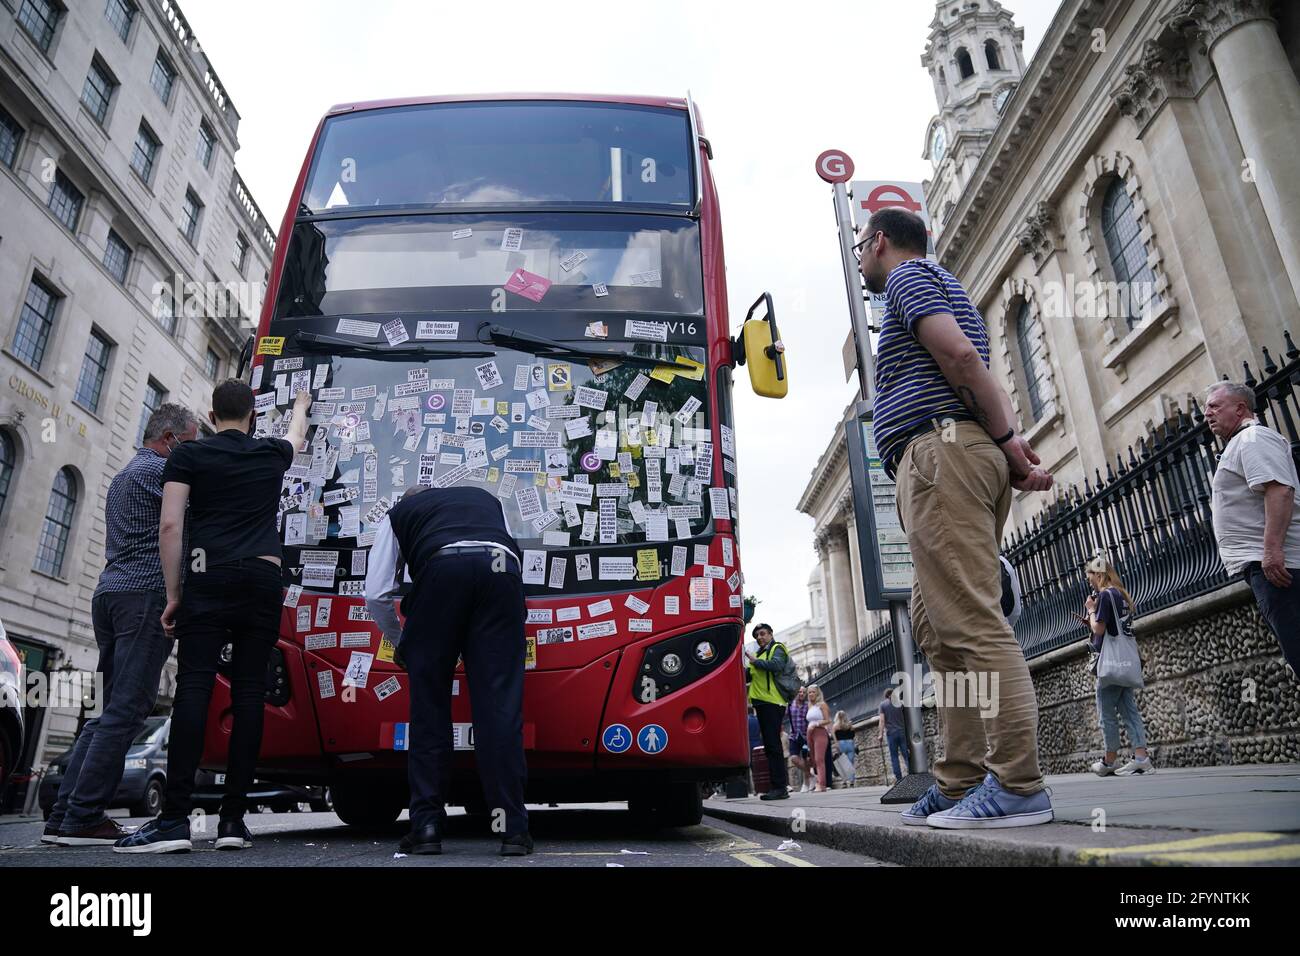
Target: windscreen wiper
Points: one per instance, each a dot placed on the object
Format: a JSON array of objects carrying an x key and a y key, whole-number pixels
[
  {"x": 539, "y": 345},
  {"x": 312, "y": 342}
]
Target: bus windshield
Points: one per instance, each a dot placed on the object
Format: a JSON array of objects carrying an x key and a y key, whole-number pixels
[
  {"x": 502, "y": 153},
  {"x": 537, "y": 262},
  {"x": 583, "y": 453}
]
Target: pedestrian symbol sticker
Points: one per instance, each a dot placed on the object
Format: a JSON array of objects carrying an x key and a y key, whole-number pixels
[
  {"x": 652, "y": 739},
  {"x": 617, "y": 738}
]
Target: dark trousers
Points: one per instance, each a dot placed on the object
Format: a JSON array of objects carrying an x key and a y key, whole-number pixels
[
  {"x": 769, "y": 722},
  {"x": 458, "y": 606},
  {"x": 898, "y": 748},
  {"x": 236, "y": 604},
  {"x": 132, "y": 652},
  {"x": 1280, "y": 607}
]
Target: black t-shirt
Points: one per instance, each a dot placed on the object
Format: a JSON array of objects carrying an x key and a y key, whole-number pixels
[{"x": 234, "y": 484}]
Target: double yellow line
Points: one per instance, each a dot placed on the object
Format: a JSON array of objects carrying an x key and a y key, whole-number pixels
[{"x": 1205, "y": 850}]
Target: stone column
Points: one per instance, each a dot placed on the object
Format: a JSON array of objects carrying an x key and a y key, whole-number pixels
[
  {"x": 855, "y": 569},
  {"x": 1263, "y": 97},
  {"x": 822, "y": 544},
  {"x": 841, "y": 585}
]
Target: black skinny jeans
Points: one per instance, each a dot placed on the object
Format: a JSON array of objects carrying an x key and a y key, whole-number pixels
[
  {"x": 237, "y": 604},
  {"x": 769, "y": 722}
]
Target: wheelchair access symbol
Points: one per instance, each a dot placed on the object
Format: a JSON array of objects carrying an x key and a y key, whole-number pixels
[
  {"x": 617, "y": 738},
  {"x": 652, "y": 739}
]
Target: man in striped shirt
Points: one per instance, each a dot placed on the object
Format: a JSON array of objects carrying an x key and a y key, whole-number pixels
[{"x": 946, "y": 433}]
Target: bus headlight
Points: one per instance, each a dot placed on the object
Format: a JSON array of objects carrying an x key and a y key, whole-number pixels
[{"x": 672, "y": 664}]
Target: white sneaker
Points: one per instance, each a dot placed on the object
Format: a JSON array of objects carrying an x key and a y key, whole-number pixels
[
  {"x": 1135, "y": 766},
  {"x": 804, "y": 788},
  {"x": 1103, "y": 769}
]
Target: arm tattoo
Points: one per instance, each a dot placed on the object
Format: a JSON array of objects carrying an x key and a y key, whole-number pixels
[{"x": 966, "y": 396}]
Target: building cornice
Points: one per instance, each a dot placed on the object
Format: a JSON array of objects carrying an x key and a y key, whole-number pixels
[{"x": 827, "y": 465}]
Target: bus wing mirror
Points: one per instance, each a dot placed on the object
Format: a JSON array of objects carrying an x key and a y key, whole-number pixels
[
  {"x": 245, "y": 355},
  {"x": 760, "y": 347}
]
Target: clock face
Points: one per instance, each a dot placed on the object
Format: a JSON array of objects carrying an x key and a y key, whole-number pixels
[
  {"x": 1000, "y": 100},
  {"x": 938, "y": 145}
]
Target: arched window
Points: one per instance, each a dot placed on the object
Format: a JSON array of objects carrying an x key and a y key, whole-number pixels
[
  {"x": 1128, "y": 253},
  {"x": 943, "y": 86},
  {"x": 991, "y": 55},
  {"x": 8, "y": 462},
  {"x": 964, "y": 64},
  {"x": 58, "y": 523},
  {"x": 1033, "y": 361}
]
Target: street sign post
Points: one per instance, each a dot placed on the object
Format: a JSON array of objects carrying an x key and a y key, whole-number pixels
[{"x": 886, "y": 558}]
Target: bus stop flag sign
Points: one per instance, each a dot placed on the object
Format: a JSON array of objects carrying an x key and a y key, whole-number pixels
[{"x": 835, "y": 166}]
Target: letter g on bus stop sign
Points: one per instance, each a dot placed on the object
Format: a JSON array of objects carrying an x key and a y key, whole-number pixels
[{"x": 835, "y": 166}]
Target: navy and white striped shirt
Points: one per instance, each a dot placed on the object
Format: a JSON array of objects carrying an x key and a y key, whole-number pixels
[
  {"x": 132, "y": 509},
  {"x": 910, "y": 387}
]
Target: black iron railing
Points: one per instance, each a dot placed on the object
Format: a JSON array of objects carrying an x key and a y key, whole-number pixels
[{"x": 1151, "y": 511}]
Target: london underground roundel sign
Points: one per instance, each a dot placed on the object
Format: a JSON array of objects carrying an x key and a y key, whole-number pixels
[{"x": 835, "y": 166}]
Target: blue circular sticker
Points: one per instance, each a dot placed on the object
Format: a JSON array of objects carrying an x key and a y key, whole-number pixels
[
  {"x": 652, "y": 739},
  {"x": 617, "y": 738}
]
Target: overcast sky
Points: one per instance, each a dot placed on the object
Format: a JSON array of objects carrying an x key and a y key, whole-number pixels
[{"x": 776, "y": 83}]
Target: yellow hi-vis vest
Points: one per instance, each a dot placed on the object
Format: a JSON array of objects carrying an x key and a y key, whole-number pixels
[{"x": 762, "y": 683}]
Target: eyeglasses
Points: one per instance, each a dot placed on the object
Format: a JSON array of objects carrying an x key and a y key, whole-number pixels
[{"x": 858, "y": 245}]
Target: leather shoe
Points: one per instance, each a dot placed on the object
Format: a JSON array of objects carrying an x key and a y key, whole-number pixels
[
  {"x": 519, "y": 845},
  {"x": 426, "y": 840}
]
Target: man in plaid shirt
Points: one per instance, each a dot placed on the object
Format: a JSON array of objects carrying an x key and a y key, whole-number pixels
[
  {"x": 127, "y": 615},
  {"x": 798, "y": 716}
]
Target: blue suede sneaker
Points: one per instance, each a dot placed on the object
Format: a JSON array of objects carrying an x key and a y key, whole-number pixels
[
  {"x": 157, "y": 836},
  {"x": 990, "y": 806},
  {"x": 931, "y": 802}
]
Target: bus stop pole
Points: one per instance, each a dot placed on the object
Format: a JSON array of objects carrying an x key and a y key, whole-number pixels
[{"x": 899, "y": 617}]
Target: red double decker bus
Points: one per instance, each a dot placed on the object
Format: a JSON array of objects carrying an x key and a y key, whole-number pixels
[{"x": 524, "y": 292}]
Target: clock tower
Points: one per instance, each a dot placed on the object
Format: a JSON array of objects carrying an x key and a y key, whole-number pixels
[{"x": 975, "y": 58}]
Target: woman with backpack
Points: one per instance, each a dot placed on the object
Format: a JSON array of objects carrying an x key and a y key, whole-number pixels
[
  {"x": 770, "y": 673},
  {"x": 1119, "y": 673}
]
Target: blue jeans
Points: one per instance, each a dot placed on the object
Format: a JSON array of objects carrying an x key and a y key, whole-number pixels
[
  {"x": 850, "y": 749},
  {"x": 1280, "y": 607},
  {"x": 132, "y": 652},
  {"x": 1113, "y": 702},
  {"x": 897, "y": 748}
]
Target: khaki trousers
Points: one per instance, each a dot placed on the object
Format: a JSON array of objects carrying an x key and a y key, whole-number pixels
[{"x": 954, "y": 494}]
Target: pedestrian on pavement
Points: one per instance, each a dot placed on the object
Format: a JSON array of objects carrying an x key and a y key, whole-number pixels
[
  {"x": 846, "y": 741},
  {"x": 797, "y": 717},
  {"x": 819, "y": 721},
  {"x": 232, "y": 594},
  {"x": 755, "y": 741},
  {"x": 466, "y": 600},
  {"x": 893, "y": 730},
  {"x": 1257, "y": 512},
  {"x": 946, "y": 432},
  {"x": 126, "y": 614},
  {"x": 1110, "y": 611},
  {"x": 769, "y": 704}
]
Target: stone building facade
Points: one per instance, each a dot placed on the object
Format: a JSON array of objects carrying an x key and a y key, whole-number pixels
[
  {"x": 132, "y": 261},
  {"x": 1125, "y": 212}
]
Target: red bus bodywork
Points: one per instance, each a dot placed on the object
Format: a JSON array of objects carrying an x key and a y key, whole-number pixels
[{"x": 578, "y": 689}]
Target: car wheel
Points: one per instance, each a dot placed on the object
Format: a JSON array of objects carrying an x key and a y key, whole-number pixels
[
  {"x": 363, "y": 804},
  {"x": 324, "y": 804},
  {"x": 151, "y": 802}
]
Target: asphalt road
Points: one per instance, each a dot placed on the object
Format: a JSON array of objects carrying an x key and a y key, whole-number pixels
[{"x": 597, "y": 835}]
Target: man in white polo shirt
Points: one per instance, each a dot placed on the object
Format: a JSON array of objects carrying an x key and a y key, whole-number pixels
[{"x": 1256, "y": 511}]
